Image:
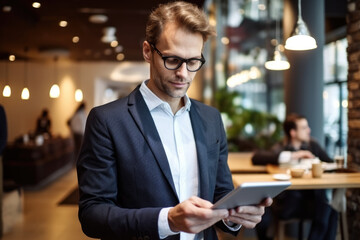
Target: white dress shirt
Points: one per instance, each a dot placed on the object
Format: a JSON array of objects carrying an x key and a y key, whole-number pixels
[{"x": 178, "y": 140}]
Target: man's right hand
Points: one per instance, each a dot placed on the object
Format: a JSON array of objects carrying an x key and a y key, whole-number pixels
[{"x": 194, "y": 215}]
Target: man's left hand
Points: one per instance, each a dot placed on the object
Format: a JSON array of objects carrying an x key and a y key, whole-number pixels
[{"x": 248, "y": 216}]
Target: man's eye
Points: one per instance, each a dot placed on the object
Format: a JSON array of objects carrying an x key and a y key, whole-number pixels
[
  {"x": 173, "y": 61},
  {"x": 193, "y": 62}
]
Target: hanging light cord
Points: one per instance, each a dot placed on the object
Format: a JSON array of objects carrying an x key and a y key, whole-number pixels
[{"x": 299, "y": 8}]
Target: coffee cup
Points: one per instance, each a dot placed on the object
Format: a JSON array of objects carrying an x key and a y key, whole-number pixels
[
  {"x": 297, "y": 172},
  {"x": 317, "y": 170},
  {"x": 340, "y": 161}
]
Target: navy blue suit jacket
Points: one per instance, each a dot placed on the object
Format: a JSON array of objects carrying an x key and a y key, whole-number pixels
[{"x": 123, "y": 172}]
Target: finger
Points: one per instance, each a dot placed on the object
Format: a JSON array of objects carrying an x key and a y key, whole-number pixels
[
  {"x": 254, "y": 210},
  {"x": 247, "y": 221},
  {"x": 199, "y": 202},
  {"x": 267, "y": 202},
  {"x": 203, "y": 205}
]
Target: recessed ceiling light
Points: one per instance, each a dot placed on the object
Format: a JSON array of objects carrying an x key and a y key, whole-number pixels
[
  {"x": 120, "y": 57},
  {"x": 114, "y": 43},
  {"x": 63, "y": 23},
  {"x": 12, "y": 58},
  {"x": 98, "y": 18},
  {"x": 75, "y": 39},
  {"x": 6, "y": 8},
  {"x": 36, "y": 5}
]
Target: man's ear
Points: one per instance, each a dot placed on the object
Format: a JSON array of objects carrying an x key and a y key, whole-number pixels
[
  {"x": 292, "y": 133},
  {"x": 147, "y": 51}
]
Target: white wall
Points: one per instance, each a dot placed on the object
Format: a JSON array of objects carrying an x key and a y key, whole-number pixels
[{"x": 22, "y": 114}]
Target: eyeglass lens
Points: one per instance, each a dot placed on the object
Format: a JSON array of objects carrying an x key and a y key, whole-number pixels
[{"x": 173, "y": 63}]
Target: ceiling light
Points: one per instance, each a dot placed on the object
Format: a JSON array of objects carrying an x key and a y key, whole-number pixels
[
  {"x": 54, "y": 91},
  {"x": 6, "y": 8},
  {"x": 114, "y": 43},
  {"x": 120, "y": 57},
  {"x": 98, "y": 18},
  {"x": 225, "y": 40},
  {"x": 300, "y": 39},
  {"x": 262, "y": 7},
  {"x": 7, "y": 91},
  {"x": 109, "y": 35},
  {"x": 78, "y": 95},
  {"x": 75, "y": 39},
  {"x": 12, "y": 58},
  {"x": 36, "y": 5},
  {"x": 63, "y": 23},
  {"x": 278, "y": 63},
  {"x": 25, "y": 94}
]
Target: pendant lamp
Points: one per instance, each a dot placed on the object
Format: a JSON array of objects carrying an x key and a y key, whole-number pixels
[
  {"x": 78, "y": 92},
  {"x": 25, "y": 93},
  {"x": 78, "y": 95},
  {"x": 55, "y": 89},
  {"x": 7, "y": 90},
  {"x": 300, "y": 38},
  {"x": 279, "y": 62}
]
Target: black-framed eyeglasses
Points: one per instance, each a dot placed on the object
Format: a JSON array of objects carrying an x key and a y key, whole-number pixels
[{"x": 174, "y": 62}]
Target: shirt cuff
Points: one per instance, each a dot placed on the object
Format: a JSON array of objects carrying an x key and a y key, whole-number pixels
[
  {"x": 234, "y": 228},
  {"x": 284, "y": 157},
  {"x": 163, "y": 224}
]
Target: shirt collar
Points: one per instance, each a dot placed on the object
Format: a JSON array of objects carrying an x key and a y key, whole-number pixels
[{"x": 154, "y": 101}]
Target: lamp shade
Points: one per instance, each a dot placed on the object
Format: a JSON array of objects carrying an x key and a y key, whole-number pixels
[
  {"x": 78, "y": 95},
  {"x": 54, "y": 91},
  {"x": 300, "y": 38},
  {"x": 7, "y": 91},
  {"x": 25, "y": 94},
  {"x": 278, "y": 63}
]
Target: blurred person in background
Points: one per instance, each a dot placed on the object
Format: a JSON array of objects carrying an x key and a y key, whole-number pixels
[
  {"x": 43, "y": 124},
  {"x": 313, "y": 204}
]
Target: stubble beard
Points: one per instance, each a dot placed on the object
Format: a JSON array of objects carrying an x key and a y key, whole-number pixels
[{"x": 172, "y": 91}]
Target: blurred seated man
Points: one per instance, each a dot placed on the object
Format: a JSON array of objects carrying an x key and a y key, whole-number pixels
[{"x": 312, "y": 204}]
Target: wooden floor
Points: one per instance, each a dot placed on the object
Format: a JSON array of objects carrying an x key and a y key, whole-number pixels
[{"x": 43, "y": 218}]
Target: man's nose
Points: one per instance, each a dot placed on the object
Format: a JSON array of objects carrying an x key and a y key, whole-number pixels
[{"x": 182, "y": 70}]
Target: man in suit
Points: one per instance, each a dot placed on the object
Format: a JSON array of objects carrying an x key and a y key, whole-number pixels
[
  {"x": 152, "y": 163},
  {"x": 312, "y": 204}
]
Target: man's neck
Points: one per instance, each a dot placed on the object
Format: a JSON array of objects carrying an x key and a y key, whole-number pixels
[
  {"x": 176, "y": 104},
  {"x": 296, "y": 144}
]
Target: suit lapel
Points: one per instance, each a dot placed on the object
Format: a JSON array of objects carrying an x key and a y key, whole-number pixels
[
  {"x": 199, "y": 130},
  {"x": 141, "y": 115}
]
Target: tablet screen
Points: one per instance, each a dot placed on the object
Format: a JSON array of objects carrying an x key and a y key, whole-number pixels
[{"x": 251, "y": 193}]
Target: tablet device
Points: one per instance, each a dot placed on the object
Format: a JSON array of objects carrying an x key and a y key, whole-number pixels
[{"x": 251, "y": 193}]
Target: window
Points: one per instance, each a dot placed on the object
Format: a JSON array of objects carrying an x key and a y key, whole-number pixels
[{"x": 335, "y": 97}]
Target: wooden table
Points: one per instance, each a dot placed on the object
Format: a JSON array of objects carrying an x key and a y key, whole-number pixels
[
  {"x": 328, "y": 180},
  {"x": 240, "y": 162},
  {"x": 243, "y": 170}
]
